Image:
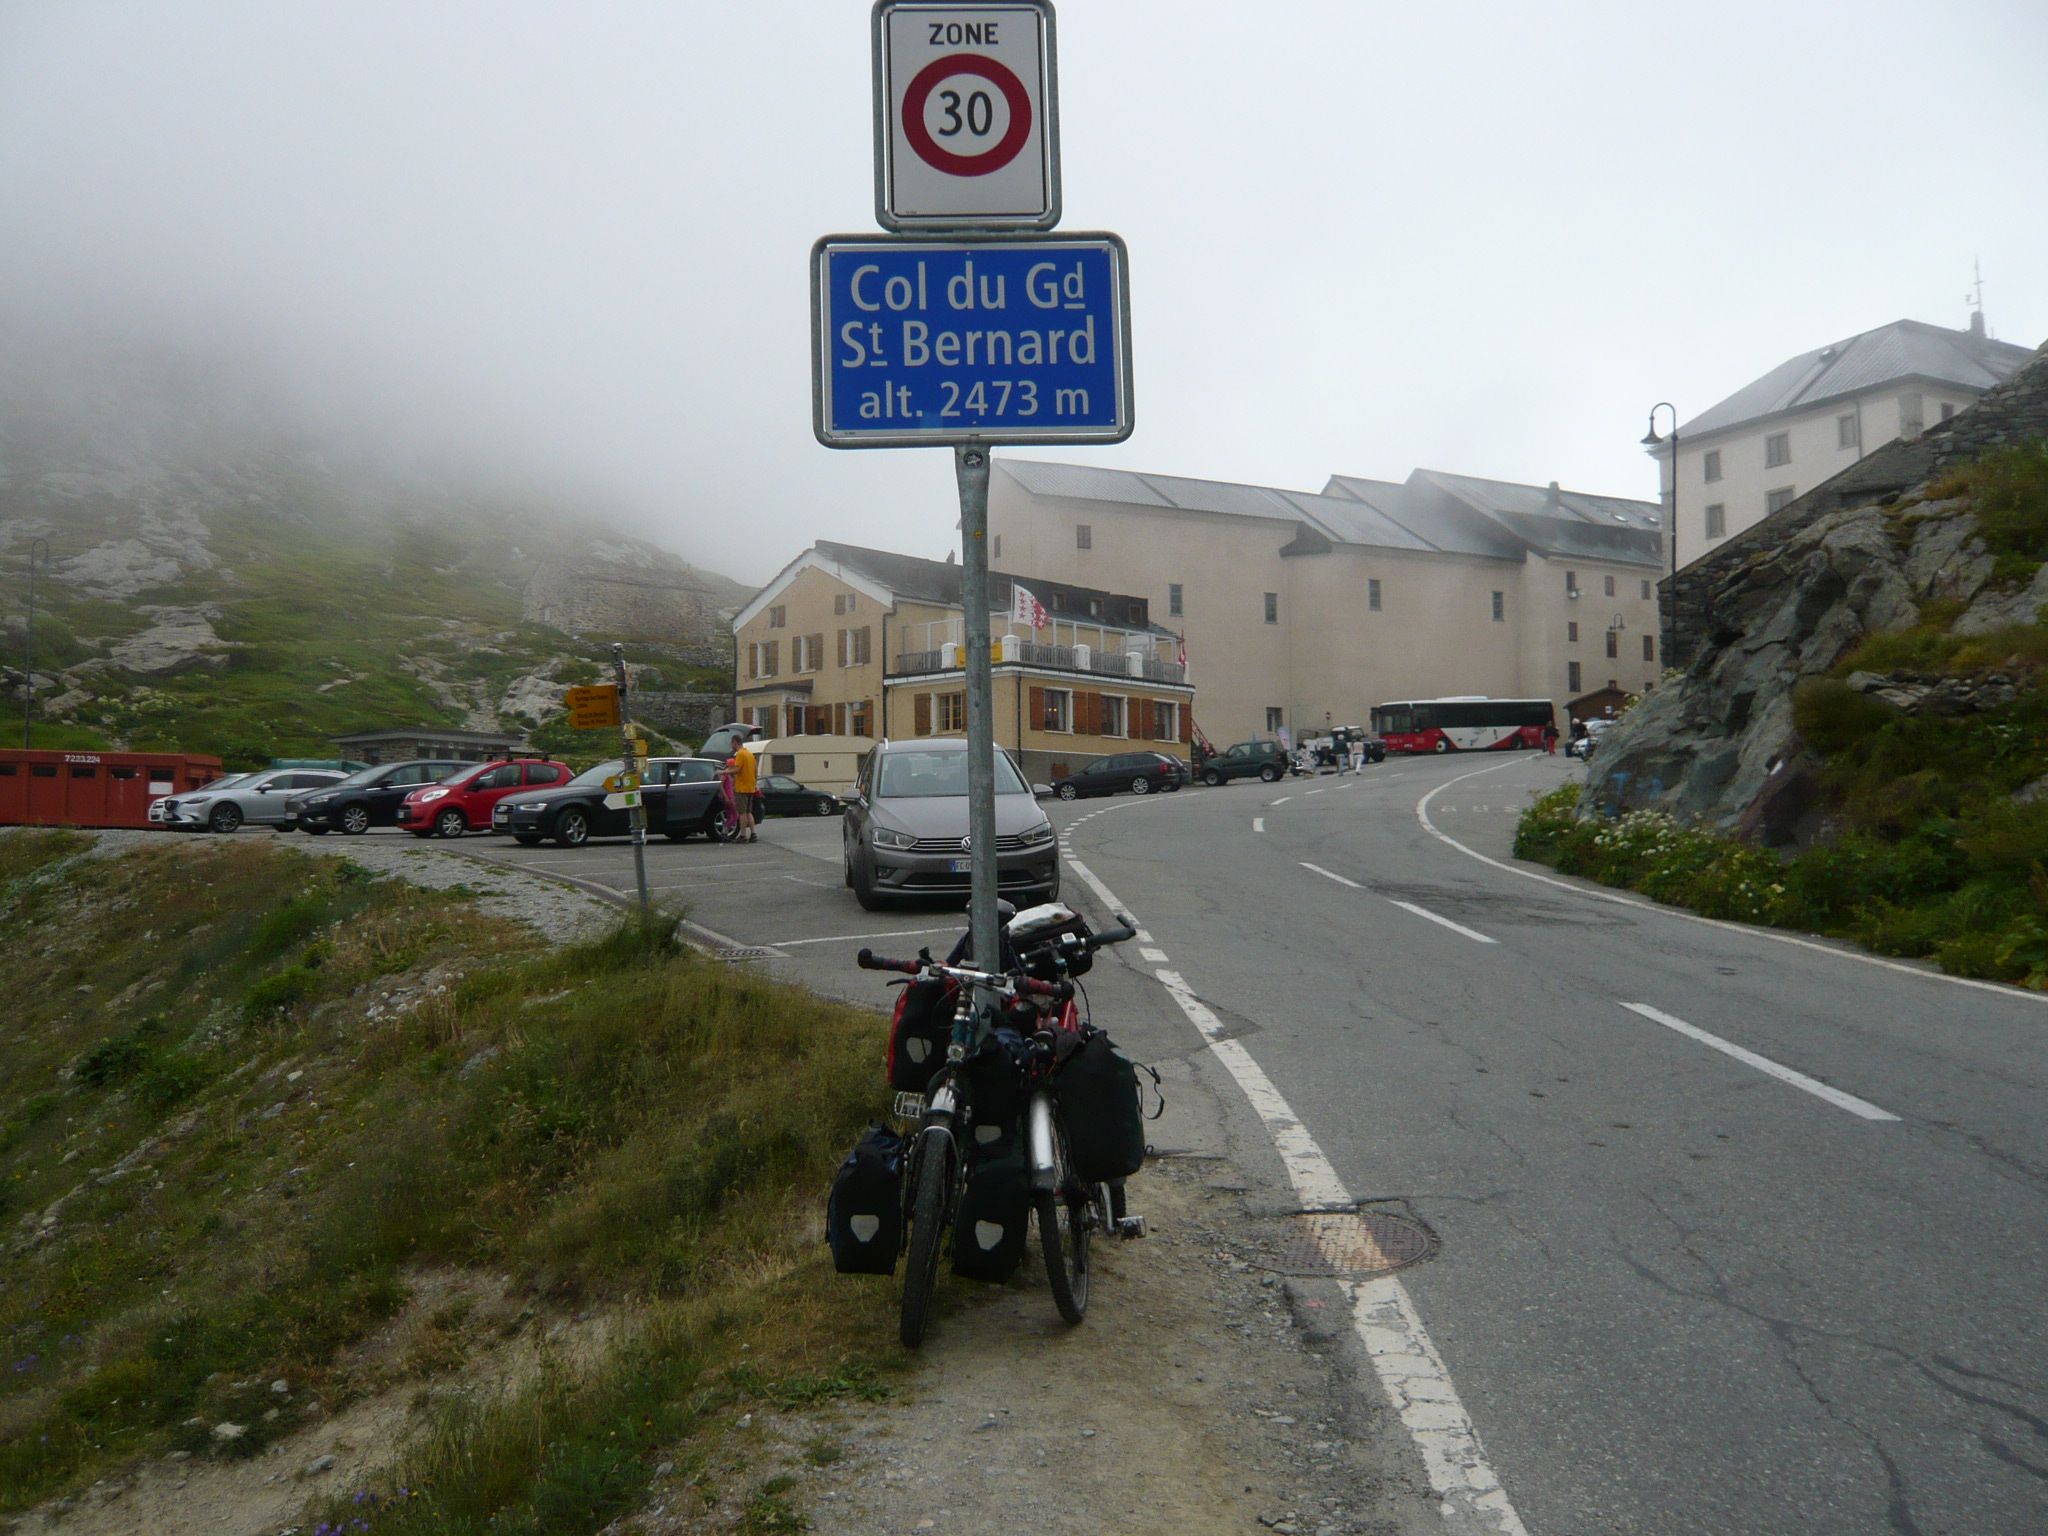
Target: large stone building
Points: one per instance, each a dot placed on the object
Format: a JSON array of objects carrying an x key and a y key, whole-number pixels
[
  {"x": 1815, "y": 415},
  {"x": 865, "y": 644},
  {"x": 1304, "y": 609}
]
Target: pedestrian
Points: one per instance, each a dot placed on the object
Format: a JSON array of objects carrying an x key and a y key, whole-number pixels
[
  {"x": 1357, "y": 753},
  {"x": 746, "y": 787},
  {"x": 1550, "y": 737}
]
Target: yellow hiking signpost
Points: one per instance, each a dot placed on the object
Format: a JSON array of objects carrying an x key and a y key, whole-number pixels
[{"x": 595, "y": 708}]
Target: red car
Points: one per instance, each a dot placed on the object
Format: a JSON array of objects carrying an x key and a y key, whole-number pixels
[{"x": 462, "y": 803}]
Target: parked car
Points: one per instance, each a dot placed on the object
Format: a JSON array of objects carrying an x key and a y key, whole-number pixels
[
  {"x": 905, "y": 832},
  {"x": 786, "y": 797},
  {"x": 719, "y": 743},
  {"x": 1582, "y": 746},
  {"x": 463, "y": 803},
  {"x": 366, "y": 799},
  {"x": 680, "y": 794},
  {"x": 164, "y": 807},
  {"x": 1138, "y": 772},
  {"x": 1267, "y": 759},
  {"x": 255, "y": 799}
]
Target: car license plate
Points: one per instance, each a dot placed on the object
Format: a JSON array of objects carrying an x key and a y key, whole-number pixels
[
  {"x": 960, "y": 866},
  {"x": 502, "y": 813}
]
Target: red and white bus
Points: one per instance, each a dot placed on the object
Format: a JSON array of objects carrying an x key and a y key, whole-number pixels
[{"x": 1474, "y": 724}]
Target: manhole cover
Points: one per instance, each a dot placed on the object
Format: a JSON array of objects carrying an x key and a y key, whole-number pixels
[
  {"x": 756, "y": 952},
  {"x": 1348, "y": 1245}
]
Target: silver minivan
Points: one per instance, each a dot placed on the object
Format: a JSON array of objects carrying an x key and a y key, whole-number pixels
[{"x": 905, "y": 832}]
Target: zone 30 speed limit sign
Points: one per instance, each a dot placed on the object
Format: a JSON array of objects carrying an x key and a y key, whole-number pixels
[{"x": 966, "y": 131}]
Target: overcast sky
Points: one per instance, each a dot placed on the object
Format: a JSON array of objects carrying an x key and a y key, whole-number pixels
[{"x": 1364, "y": 237}]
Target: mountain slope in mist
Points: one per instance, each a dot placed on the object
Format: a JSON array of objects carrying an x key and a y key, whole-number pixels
[{"x": 221, "y": 579}]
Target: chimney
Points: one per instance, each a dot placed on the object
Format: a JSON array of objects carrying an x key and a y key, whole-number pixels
[
  {"x": 1556, "y": 501},
  {"x": 1977, "y": 323}
]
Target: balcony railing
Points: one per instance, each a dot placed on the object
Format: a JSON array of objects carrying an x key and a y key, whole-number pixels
[{"x": 1062, "y": 658}]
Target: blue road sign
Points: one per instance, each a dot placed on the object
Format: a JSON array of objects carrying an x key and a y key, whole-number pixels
[{"x": 1019, "y": 338}]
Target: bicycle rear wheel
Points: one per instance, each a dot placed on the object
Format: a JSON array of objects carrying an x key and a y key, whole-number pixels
[
  {"x": 931, "y": 1212},
  {"x": 1065, "y": 1215}
]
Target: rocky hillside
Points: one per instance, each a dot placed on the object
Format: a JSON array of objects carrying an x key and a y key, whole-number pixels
[
  {"x": 1907, "y": 592},
  {"x": 220, "y": 580}
]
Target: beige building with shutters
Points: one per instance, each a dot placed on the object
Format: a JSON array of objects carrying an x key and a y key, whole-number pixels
[{"x": 867, "y": 644}]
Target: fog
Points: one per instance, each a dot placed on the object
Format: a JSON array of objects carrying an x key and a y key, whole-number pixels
[{"x": 571, "y": 242}]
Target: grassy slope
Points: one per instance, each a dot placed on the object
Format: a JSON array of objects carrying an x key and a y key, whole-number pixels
[
  {"x": 619, "y": 1123},
  {"x": 1929, "y": 854}
]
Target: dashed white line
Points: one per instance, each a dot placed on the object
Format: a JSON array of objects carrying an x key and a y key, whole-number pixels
[
  {"x": 1312, "y": 794},
  {"x": 1329, "y": 875},
  {"x": 1820, "y": 1090},
  {"x": 848, "y": 938},
  {"x": 1150, "y": 955},
  {"x": 1444, "y": 922},
  {"x": 1258, "y": 823},
  {"x": 1281, "y": 801}
]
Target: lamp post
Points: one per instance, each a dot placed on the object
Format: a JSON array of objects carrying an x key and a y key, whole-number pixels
[
  {"x": 38, "y": 549},
  {"x": 1651, "y": 440}
]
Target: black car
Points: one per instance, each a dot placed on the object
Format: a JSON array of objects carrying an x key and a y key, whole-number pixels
[
  {"x": 680, "y": 793},
  {"x": 1267, "y": 759},
  {"x": 367, "y": 798},
  {"x": 1139, "y": 772},
  {"x": 786, "y": 797}
]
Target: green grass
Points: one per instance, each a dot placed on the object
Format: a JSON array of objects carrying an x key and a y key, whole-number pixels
[{"x": 620, "y": 1125}]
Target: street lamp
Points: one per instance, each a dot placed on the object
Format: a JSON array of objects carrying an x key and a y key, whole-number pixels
[
  {"x": 1651, "y": 440},
  {"x": 38, "y": 549}
]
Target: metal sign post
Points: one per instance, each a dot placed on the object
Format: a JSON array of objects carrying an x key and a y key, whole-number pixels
[
  {"x": 630, "y": 744},
  {"x": 970, "y": 465}
]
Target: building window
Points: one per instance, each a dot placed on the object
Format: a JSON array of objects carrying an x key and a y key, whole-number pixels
[
  {"x": 1713, "y": 466},
  {"x": 1094, "y": 607},
  {"x": 952, "y": 712},
  {"x": 1613, "y": 642},
  {"x": 1173, "y": 599},
  {"x": 1847, "y": 433},
  {"x": 862, "y": 720},
  {"x": 1571, "y": 583},
  {"x": 1165, "y": 720},
  {"x": 1780, "y": 498},
  {"x": 778, "y": 616},
  {"x": 1717, "y": 520},
  {"x": 1112, "y": 717},
  {"x": 1500, "y": 607},
  {"x": 1059, "y": 602},
  {"x": 1649, "y": 647},
  {"x": 1272, "y": 607},
  {"x": 1646, "y": 591},
  {"x": 1372, "y": 593},
  {"x": 1571, "y": 672},
  {"x": 839, "y": 602},
  {"x": 1276, "y": 717},
  {"x": 1059, "y": 709},
  {"x": 762, "y": 657},
  {"x": 1571, "y": 631},
  {"x": 1777, "y": 450},
  {"x": 1912, "y": 414},
  {"x": 1610, "y": 586},
  {"x": 1084, "y": 536},
  {"x": 1947, "y": 410}
]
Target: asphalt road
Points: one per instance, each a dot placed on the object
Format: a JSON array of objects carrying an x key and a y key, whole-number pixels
[{"x": 1681, "y": 1290}]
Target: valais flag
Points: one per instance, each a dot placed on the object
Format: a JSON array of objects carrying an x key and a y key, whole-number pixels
[{"x": 1026, "y": 609}]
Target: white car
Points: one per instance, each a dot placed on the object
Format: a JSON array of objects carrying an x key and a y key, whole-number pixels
[{"x": 225, "y": 805}]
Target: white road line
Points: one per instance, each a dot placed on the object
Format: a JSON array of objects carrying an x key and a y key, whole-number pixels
[
  {"x": 848, "y": 938},
  {"x": 1819, "y": 1090},
  {"x": 1641, "y": 905},
  {"x": 1312, "y": 794},
  {"x": 1258, "y": 823},
  {"x": 1444, "y": 922},
  {"x": 1281, "y": 801},
  {"x": 1150, "y": 955},
  {"x": 1327, "y": 875}
]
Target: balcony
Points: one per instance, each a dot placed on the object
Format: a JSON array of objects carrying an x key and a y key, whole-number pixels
[{"x": 1061, "y": 658}]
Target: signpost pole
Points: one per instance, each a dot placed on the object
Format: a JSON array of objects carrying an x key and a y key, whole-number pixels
[
  {"x": 639, "y": 810},
  {"x": 970, "y": 464}
]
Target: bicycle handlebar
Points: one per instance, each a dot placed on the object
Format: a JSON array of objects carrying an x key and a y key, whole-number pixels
[
  {"x": 1112, "y": 936},
  {"x": 931, "y": 970},
  {"x": 868, "y": 960}
]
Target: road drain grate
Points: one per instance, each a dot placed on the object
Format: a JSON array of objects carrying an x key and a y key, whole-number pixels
[
  {"x": 755, "y": 952},
  {"x": 1346, "y": 1245}
]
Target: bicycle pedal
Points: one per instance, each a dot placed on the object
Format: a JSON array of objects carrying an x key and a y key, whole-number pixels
[
  {"x": 1128, "y": 1227},
  {"x": 910, "y": 1106}
]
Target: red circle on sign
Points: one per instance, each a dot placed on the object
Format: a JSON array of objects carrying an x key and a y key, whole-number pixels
[{"x": 936, "y": 155}]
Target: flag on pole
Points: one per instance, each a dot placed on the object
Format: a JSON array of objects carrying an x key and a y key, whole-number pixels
[
  {"x": 1026, "y": 609},
  {"x": 1183, "y": 656}
]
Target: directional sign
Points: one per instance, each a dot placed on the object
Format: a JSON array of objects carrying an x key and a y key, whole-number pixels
[
  {"x": 966, "y": 115},
  {"x": 593, "y": 708},
  {"x": 1017, "y": 338},
  {"x": 623, "y": 800},
  {"x": 622, "y": 783}
]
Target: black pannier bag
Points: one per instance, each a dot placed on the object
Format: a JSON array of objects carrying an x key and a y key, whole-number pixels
[
  {"x": 1051, "y": 940},
  {"x": 1097, "y": 1089},
  {"x": 994, "y": 1217},
  {"x": 995, "y": 1090},
  {"x": 864, "y": 1214},
  {"x": 919, "y": 1033}
]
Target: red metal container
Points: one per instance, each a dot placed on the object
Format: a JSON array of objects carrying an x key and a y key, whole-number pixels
[{"x": 94, "y": 789}]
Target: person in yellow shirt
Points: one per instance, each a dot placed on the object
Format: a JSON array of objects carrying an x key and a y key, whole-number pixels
[{"x": 746, "y": 789}]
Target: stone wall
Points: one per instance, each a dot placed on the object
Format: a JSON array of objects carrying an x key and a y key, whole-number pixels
[{"x": 684, "y": 717}]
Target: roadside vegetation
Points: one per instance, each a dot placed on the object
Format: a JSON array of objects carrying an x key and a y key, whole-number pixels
[
  {"x": 278, "y": 1137},
  {"x": 1935, "y": 828}
]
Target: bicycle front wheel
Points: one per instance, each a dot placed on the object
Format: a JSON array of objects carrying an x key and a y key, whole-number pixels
[
  {"x": 931, "y": 1212},
  {"x": 1064, "y": 1223}
]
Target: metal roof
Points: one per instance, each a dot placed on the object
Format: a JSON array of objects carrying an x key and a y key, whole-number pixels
[
  {"x": 938, "y": 582},
  {"x": 1905, "y": 349}
]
